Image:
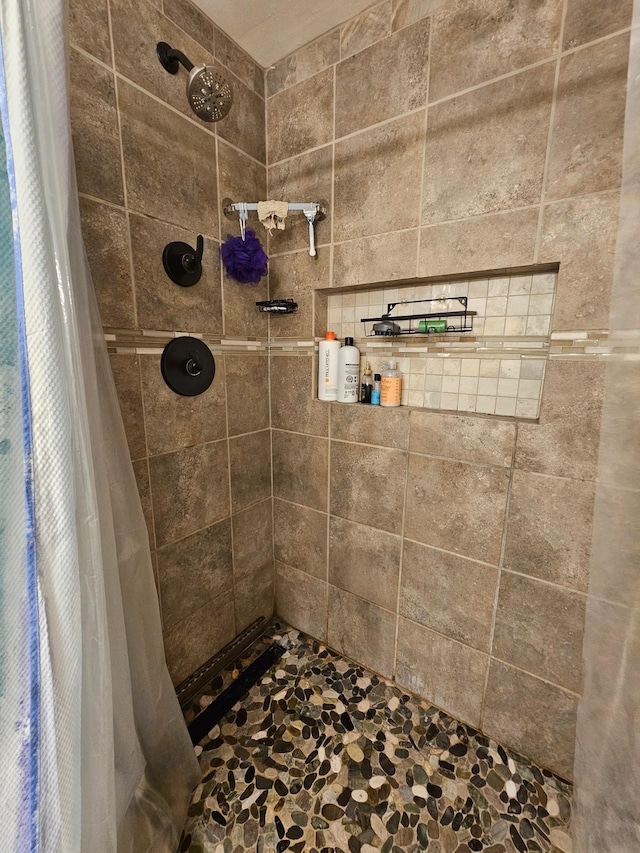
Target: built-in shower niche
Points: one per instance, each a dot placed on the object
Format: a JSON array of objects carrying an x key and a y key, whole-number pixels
[{"x": 495, "y": 367}]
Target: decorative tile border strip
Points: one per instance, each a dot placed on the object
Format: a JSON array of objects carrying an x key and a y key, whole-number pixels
[
  {"x": 596, "y": 344},
  {"x": 152, "y": 342},
  {"x": 585, "y": 344}
]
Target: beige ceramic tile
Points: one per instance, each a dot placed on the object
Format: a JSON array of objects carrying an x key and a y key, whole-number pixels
[
  {"x": 244, "y": 124},
  {"x": 300, "y": 117},
  {"x": 134, "y": 49},
  {"x": 300, "y": 469},
  {"x": 253, "y": 540},
  {"x": 480, "y": 243},
  {"x": 468, "y": 439},
  {"x": 444, "y": 672},
  {"x": 94, "y": 124},
  {"x": 174, "y": 421},
  {"x": 385, "y": 257},
  {"x": 482, "y": 39},
  {"x": 292, "y": 404},
  {"x": 539, "y": 629},
  {"x": 126, "y": 375},
  {"x": 371, "y": 425},
  {"x": 241, "y": 316},
  {"x": 141, "y": 471},
  {"x": 367, "y": 484},
  {"x": 361, "y": 631},
  {"x": 247, "y": 380},
  {"x": 406, "y": 12},
  {"x": 250, "y": 458},
  {"x": 162, "y": 304},
  {"x": 190, "y": 490},
  {"x": 318, "y": 55},
  {"x": 365, "y": 29},
  {"x": 89, "y": 27},
  {"x": 377, "y": 179},
  {"x": 396, "y": 69},
  {"x": 619, "y": 467},
  {"x": 240, "y": 178},
  {"x": 457, "y": 507},
  {"x": 254, "y": 596},
  {"x": 301, "y": 600},
  {"x": 514, "y": 705},
  {"x": 282, "y": 75},
  {"x": 106, "y": 239},
  {"x": 588, "y": 122},
  {"x": 193, "y": 571},
  {"x": 587, "y": 20},
  {"x": 296, "y": 276},
  {"x": 300, "y": 538},
  {"x": 307, "y": 178},
  {"x": 198, "y": 637},
  {"x": 191, "y": 20},
  {"x": 259, "y": 81},
  {"x": 364, "y": 561},
  {"x": 485, "y": 150},
  {"x": 169, "y": 164},
  {"x": 549, "y": 529},
  {"x": 235, "y": 59},
  {"x": 448, "y": 594},
  {"x": 581, "y": 234},
  {"x": 565, "y": 442}
]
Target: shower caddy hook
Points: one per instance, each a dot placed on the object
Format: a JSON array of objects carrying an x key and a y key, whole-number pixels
[{"x": 313, "y": 211}]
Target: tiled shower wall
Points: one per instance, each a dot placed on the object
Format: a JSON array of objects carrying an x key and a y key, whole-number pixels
[
  {"x": 446, "y": 139},
  {"x": 149, "y": 172},
  {"x": 449, "y": 552}
]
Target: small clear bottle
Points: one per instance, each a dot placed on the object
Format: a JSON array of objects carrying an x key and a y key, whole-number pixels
[
  {"x": 375, "y": 390},
  {"x": 390, "y": 385}
]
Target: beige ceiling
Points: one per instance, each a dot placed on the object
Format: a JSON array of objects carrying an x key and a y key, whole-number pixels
[{"x": 270, "y": 29}]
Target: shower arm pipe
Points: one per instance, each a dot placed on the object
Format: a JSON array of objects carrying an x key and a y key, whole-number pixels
[{"x": 170, "y": 55}]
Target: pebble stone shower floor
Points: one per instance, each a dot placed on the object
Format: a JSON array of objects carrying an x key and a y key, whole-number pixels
[{"x": 323, "y": 756}]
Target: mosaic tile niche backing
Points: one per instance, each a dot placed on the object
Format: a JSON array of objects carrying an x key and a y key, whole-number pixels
[{"x": 496, "y": 369}]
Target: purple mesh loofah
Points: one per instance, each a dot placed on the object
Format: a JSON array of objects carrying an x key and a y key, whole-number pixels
[{"x": 244, "y": 260}]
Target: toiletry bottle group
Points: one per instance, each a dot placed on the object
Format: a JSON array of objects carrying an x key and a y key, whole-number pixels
[{"x": 338, "y": 376}]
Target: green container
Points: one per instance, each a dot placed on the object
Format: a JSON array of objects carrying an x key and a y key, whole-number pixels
[{"x": 426, "y": 327}]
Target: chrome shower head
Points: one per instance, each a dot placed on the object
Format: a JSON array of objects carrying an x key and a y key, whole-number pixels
[
  {"x": 208, "y": 93},
  {"x": 210, "y": 96}
]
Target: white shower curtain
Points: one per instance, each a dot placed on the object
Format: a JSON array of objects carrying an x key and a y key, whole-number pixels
[
  {"x": 607, "y": 766},
  {"x": 95, "y": 755}
]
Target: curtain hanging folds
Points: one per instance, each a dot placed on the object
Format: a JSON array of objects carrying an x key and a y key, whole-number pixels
[
  {"x": 96, "y": 756},
  {"x": 95, "y": 753},
  {"x": 607, "y": 765}
]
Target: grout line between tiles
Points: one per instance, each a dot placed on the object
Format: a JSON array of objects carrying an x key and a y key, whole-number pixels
[
  {"x": 489, "y": 658},
  {"x": 503, "y": 546},
  {"x": 424, "y": 150},
  {"x": 273, "y": 508},
  {"x": 402, "y": 530},
  {"x": 328, "y": 559},
  {"x": 233, "y": 552},
  {"x": 547, "y": 159}
]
